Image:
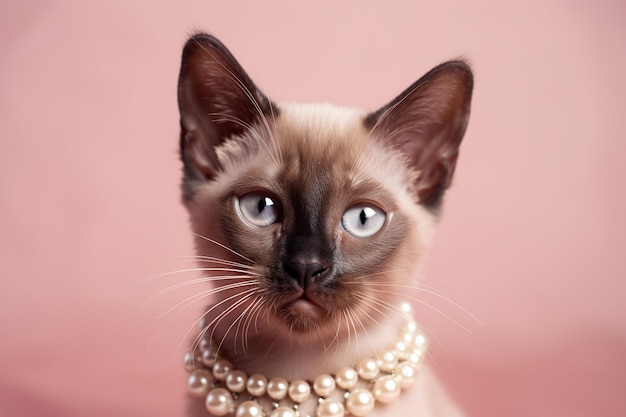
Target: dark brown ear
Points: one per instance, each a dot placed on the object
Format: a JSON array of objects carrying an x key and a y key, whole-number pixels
[
  {"x": 426, "y": 123},
  {"x": 216, "y": 99}
]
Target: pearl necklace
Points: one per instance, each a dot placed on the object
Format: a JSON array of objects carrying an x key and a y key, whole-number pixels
[{"x": 392, "y": 370}]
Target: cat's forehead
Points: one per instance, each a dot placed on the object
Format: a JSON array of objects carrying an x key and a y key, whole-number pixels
[
  {"x": 320, "y": 129},
  {"x": 312, "y": 149}
]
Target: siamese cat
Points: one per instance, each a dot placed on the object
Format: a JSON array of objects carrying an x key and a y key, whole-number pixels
[{"x": 309, "y": 222}]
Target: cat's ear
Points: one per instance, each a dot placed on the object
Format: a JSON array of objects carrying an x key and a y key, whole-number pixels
[
  {"x": 426, "y": 123},
  {"x": 216, "y": 99}
]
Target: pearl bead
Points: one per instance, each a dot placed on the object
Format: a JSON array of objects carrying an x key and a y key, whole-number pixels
[
  {"x": 330, "y": 408},
  {"x": 407, "y": 309},
  {"x": 367, "y": 368},
  {"x": 206, "y": 343},
  {"x": 283, "y": 412},
  {"x": 420, "y": 341},
  {"x": 257, "y": 384},
  {"x": 299, "y": 391},
  {"x": 408, "y": 338},
  {"x": 221, "y": 369},
  {"x": 324, "y": 385},
  {"x": 199, "y": 382},
  {"x": 360, "y": 402},
  {"x": 219, "y": 402},
  {"x": 387, "y": 360},
  {"x": 410, "y": 327},
  {"x": 406, "y": 373},
  {"x": 415, "y": 357},
  {"x": 347, "y": 377},
  {"x": 277, "y": 388},
  {"x": 402, "y": 349},
  {"x": 192, "y": 360},
  {"x": 236, "y": 381},
  {"x": 249, "y": 409},
  {"x": 386, "y": 389},
  {"x": 209, "y": 357}
]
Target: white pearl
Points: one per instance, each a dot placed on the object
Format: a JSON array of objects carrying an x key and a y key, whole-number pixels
[
  {"x": 324, "y": 385},
  {"x": 407, "y": 309},
  {"x": 420, "y": 341},
  {"x": 249, "y": 409},
  {"x": 199, "y": 382},
  {"x": 192, "y": 360},
  {"x": 406, "y": 373},
  {"x": 410, "y": 327},
  {"x": 283, "y": 412},
  {"x": 299, "y": 391},
  {"x": 277, "y": 388},
  {"x": 386, "y": 389},
  {"x": 209, "y": 357},
  {"x": 387, "y": 360},
  {"x": 402, "y": 349},
  {"x": 360, "y": 402},
  {"x": 408, "y": 338},
  {"x": 330, "y": 408},
  {"x": 415, "y": 357},
  {"x": 219, "y": 402},
  {"x": 257, "y": 384},
  {"x": 367, "y": 368},
  {"x": 221, "y": 369},
  {"x": 236, "y": 381},
  {"x": 347, "y": 377},
  {"x": 206, "y": 343}
]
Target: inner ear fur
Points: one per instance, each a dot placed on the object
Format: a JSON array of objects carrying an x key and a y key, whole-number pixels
[{"x": 426, "y": 123}]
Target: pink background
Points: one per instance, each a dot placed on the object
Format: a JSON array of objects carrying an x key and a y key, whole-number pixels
[{"x": 531, "y": 243}]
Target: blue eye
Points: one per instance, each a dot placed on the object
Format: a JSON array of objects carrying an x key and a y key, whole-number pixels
[
  {"x": 258, "y": 209},
  {"x": 363, "y": 220}
]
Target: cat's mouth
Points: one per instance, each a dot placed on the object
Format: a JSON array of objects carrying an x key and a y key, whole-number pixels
[
  {"x": 304, "y": 305},
  {"x": 302, "y": 310}
]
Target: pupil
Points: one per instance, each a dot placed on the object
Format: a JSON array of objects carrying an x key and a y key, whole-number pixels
[
  {"x": 363, "y": 217},
  {"x": 262, "y": 204}
]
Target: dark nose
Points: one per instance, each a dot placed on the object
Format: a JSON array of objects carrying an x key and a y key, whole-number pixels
[{"x": 305, "y": 272}]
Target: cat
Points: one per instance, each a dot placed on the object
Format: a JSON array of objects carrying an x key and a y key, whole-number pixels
[{"x": 309, "y": 223}]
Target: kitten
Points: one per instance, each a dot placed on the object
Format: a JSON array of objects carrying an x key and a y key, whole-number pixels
[{"x": 309, "y": 221}]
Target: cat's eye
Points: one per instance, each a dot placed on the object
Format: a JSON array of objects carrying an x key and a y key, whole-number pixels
[
  {"x": 363, "y": 220},
  {"x": 259, "y": 209}
]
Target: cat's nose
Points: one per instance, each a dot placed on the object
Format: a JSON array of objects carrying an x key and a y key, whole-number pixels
[{"x": 305, "y": 272}]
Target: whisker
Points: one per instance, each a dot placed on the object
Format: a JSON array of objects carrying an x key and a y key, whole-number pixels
[
  {"x": 365, "y": 313},
  {"x": 422, "y": 288},
  {"x": 229, "y": 310},
  {"x": 205, "y": 294},
  {"x": 356, "y": 338},
  {"x": 194, "y": 282},
  {"x": 213, "y": 259},
  {"x": 254, "y": 312},
  {"x": 215, "y": 242},
  {"x": 424, "y": 304},
  {"x": 174, "y": 311},
  {"x": 202, "y": 333},
  {"x": 240, "y": 320}
]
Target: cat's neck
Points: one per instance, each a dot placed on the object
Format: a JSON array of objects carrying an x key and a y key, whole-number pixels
[{"x": 273, "y": 354}]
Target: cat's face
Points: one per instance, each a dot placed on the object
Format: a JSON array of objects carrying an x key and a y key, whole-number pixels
[{"x": 312, "y": 216}]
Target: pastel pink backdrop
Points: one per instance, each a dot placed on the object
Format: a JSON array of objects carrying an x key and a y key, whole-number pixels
[{"x": 531, "y": 243}]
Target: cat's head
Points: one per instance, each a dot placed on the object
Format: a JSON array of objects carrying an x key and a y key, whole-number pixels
[{"x": 312, "y": 215}]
